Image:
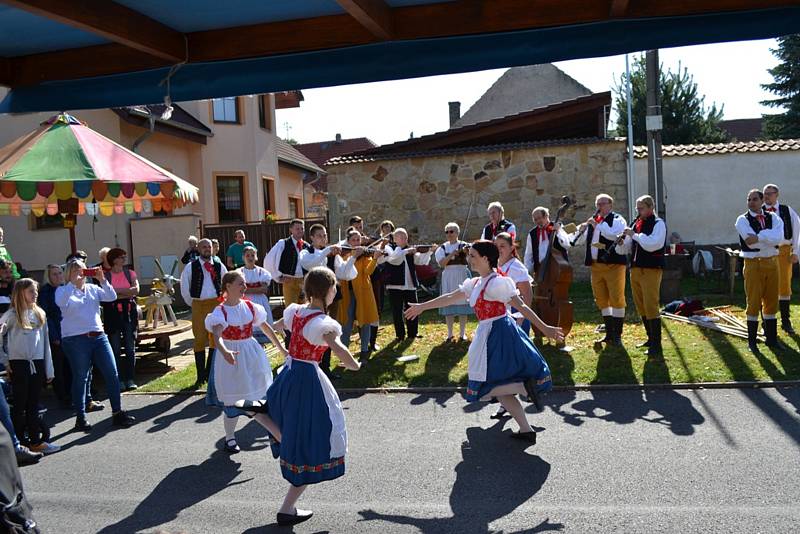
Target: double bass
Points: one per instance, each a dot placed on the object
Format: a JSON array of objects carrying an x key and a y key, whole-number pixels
[{"x": 551, "y": 294}]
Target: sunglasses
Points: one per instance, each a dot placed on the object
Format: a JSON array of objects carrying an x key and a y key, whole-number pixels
[{"x": 449, "y": 231}]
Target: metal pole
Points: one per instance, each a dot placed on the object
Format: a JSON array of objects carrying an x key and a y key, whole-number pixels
[
  {"x": 631, "y": 169},
  {"x": 655, "y": 175}
]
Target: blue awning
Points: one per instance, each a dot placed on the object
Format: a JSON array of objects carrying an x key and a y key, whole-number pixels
[{"x": 388, "y": 60}]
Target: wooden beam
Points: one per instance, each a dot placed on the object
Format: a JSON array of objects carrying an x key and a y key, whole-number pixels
[
  {"x": 618, "y": 8},
  {"x": 113, "y": 21},
  {"x": 444, "y": 19},
  {"x": 374, "y": 15}
]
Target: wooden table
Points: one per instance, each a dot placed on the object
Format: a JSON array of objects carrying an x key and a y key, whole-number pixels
[{"x": 161, "y": 335}]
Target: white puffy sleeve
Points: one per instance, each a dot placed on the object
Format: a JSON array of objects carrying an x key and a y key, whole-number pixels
[
  {"x": 260, "y": 314},
  {"x": 319, "y": 327},
  {"x": 288, "y": 315},
  {"x": 501, "y": 288},
  {"x": 264, "y": 276},
  {"x": 468, "y": 285},
  {"x": 215, "y": 318}
]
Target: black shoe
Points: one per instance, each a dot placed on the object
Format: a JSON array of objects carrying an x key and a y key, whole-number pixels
[
  {"x": 25, "y": 456},
  {"x": 771, "y": 334},
  {"x": 608, "y": 329},
  {"x": 501, "y": 413},
  {"x": 122, "y": 419},
  {"x": 82, "y": 425},
  {"x": 533, "y": 396},
  {"x": 231, "y": 447},
  {"x": 615, "y": 338},
  {"x": 530, "y": 437},
  {"x": 257, "y": 406},
  {"x": 752, "y": 337},
  {"x": 299, "y": 516},
  {"x": 786, "y": 321}
]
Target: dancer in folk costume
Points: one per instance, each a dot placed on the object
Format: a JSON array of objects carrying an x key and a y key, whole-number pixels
[
  {"x": 302, "y": 401},
  {"x": 243, "y": 371},
  {"x": 257, "y": 280},
  {"x": 503, "y": 361}
]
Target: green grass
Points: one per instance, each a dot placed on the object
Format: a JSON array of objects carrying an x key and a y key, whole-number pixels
[{"x": 691, "y": 354}]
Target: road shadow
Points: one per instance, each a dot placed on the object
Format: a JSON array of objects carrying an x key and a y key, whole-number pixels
[
  {"x": 181, "y": 489},
  {"x": 495, "y": 477},
  {"x": 442, "y": 359}
]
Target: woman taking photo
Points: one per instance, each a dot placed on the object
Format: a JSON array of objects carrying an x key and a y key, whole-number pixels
[
  {"x": 502, "y": 361},
  {"x": 84, "y": 341},
  {"x": 121, "y": 317},
  {"x": 452, "y": 258}
]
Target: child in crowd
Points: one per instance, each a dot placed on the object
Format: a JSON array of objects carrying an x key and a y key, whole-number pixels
[{"x": 257, "y": 280}]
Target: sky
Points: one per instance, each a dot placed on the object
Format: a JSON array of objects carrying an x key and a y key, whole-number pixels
[{"x": 385, "y": 112}]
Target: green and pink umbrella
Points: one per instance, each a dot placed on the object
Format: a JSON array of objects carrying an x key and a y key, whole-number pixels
[{"x": 66, "y": 167}]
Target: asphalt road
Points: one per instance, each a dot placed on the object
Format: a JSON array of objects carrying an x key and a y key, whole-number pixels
[{"x": 622, "y": 461}]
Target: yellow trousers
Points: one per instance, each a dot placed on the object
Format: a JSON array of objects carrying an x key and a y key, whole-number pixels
[
  {"x": 202, "y": 337},
  {"x": 761, "y": 286},
  {"x": 292, "y": 287},
  {"x": 646, "y": 288},
  {"x": 785, "y": 271},
  {"x": 608, "y": 285}
]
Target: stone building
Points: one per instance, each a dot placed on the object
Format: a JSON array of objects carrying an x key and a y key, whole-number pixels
[{"x": 523, "y": 160}]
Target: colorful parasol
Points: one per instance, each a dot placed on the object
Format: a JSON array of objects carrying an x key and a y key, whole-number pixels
[{"x": 66, "y": 167}]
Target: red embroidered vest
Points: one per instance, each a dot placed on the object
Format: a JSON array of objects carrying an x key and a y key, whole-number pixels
[
  {"x": 488, "y": 309},
  {"x": 299, "y": 347},
  {"x": 237, "y": 333}
]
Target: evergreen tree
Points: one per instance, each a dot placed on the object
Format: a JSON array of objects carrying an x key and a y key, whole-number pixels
[
  {"x": 786, "y": 86},
  {"x": 685, "y": 117}
]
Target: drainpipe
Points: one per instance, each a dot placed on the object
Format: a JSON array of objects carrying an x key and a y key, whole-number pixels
[{"x": 142, "y": 138}]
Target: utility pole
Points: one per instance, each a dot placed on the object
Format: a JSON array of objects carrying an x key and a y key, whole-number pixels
[{"x": 655, "y": 175}]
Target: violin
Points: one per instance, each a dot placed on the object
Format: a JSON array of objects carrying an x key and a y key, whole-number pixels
[
  {"x": 551, "y": 295},
  {"x": 367, "y": 250}
]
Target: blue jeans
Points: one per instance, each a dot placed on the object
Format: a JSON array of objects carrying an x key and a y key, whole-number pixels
[
  {"x": 124, "y": 337},
  {"x": 347, "y": 328},
  {"x": 83, "y": 352},
  {"x": 5, "y": 415}
]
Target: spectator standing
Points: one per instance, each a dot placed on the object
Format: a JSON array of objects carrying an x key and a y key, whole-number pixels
[
  {"x": 121, "y": 317},
  {"x": 62, "y": 381},
  {"x": 6, "y": 284},
  {"x": 191, "y": 253},
  {"x": 234, "y": 256}
]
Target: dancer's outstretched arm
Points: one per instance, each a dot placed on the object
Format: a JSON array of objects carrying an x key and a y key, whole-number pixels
[
  {"x": 341, "y": 351},
  {"x": 273, "y": 337},
  {"x": 449, "y": 299}
]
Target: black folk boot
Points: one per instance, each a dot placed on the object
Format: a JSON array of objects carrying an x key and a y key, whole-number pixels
[
  {"x": 654, "y": 349},
  {"x": 200, "y": 364},
  {"x": 752, "y": 336},
  {"x": 771, "y": 334},
  {"x": 608, "y": 332},
  {"x": 786, "y": 319},
  {"x": 646, "y": 323}
]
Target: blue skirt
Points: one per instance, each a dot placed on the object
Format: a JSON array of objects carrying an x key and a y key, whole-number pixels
[
  {"x": 511, "y": 357},
  {"x": 306, "y": 408}
]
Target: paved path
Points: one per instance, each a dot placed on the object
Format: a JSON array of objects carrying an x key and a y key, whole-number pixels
[{"x": 625, "y": 461}]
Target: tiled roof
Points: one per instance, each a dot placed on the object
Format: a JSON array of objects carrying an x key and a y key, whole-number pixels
[
  {"x": 288, "y": 154},
  {"x": 322, "y": 151},
  {"x": 776, "y": 145},
  {"x": 363, "y": 158}
]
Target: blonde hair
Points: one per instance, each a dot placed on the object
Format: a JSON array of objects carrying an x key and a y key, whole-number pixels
[
  {"x": 71, "y": 266},
  {"x": 647, "y": 200},
  {"x": 227, "y": 279},
  {"x": 50, "y": 267},
  {"x": 20, "y": 306}
]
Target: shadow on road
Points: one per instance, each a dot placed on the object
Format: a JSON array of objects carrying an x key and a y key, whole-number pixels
[
  {"x": 182, "y": 488},
  {"x": 494, "y": 478}
]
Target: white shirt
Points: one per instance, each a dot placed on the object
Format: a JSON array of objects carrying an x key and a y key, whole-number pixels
[
  {"x": 563, "y": 238},
  {"x": 317, "y": 328},
  {"x": 208, "y": 291},
  {"x": 344, "y": 270},
  {"x": 650, "y": 243},
  {"x": 257, "y": 275},
  {"x": 795, "y": 241},
  {"x": 397, "y": 256},
  {"x": 273, "y": 260},
  {"x": 611, "y": 232},
  {"x": 768, "y": 239},
  {"x": 80, "y": 308},
  {"x": 515, "y": 270}
]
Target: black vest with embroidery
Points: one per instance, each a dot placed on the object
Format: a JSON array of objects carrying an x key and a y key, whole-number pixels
[
  {"x": 641, "y": 257},
  {"x": 289, "y": 257},
  {"x": 397, "y": 273},
  {"x": 608, "y": 254},
  {"x": 196, "y": 284},
  {"x": 502, "y": 226},
  {"x": 756, "y": 226},
  {"x": 786, "y": 217},
  {"x": 534, "y": 235},
  {"x": 332, "y": 267}
]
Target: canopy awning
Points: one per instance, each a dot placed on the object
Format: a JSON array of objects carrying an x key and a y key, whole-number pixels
[{"x": 96, "y": 53}]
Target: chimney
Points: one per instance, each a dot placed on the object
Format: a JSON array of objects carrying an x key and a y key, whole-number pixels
[
  {"x": 455, "y": 112},
  {"x": 338, "y": 138}
]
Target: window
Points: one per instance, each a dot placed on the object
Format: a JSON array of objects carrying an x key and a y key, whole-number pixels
[
  {"x": 230, "y": 199},
  {"x": 264, "y": 112},
  {"x": 269, "y": 194},
  {"x": 295, "y": 208},
  {"x": 48, "y": 222},
  {"x": 226, "y": 110}
]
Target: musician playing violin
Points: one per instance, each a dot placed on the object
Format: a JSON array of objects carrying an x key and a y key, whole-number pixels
[{"x": 452, "y": 258}]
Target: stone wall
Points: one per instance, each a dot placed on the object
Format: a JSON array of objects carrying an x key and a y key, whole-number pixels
[{"x": 423, "y": 194}]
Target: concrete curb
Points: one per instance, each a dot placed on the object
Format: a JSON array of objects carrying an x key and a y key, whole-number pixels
[{"x": 577, "y": 387}]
